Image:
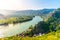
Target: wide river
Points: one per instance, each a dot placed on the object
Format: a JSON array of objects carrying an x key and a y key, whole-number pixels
[{"x": 11, "y": 30}]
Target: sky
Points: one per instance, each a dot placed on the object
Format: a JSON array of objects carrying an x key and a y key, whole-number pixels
[{"x": 28, "y": 4}]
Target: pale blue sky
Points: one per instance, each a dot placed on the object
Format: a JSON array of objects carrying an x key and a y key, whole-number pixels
[
  {"x": 43, "y": 3},
  {"x": 28, "y": 4}
]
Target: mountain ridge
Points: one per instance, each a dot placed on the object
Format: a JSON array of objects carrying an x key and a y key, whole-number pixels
[{"x": 11, "y": 13}]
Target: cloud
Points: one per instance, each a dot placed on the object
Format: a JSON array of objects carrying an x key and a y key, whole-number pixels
[{"x": 11, "y": 4}]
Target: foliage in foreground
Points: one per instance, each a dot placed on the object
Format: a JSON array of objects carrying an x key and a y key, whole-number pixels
[{"x": 49, "y": 36}]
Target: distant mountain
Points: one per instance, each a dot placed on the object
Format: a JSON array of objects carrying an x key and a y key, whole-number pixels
[
  {"x": 32, "y": 12},
  {"x": 2, "y": 16},
  {"x": 26, "y": 12}
]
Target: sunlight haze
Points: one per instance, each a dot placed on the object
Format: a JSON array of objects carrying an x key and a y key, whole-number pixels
[{"x": 28, "y": 4}]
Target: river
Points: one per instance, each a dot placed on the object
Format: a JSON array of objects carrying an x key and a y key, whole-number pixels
[{"x": 11, "y": 30}]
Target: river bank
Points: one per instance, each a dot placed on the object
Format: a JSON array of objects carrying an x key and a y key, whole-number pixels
[{"x": 12, "y": 30}]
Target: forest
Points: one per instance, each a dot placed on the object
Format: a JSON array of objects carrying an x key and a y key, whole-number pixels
[{"x": 49, "y": 29}]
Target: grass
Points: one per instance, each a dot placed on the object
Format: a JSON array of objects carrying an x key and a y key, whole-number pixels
[
  {"x": 16, "y": 20},
  {"x": 49, "y": 36}
]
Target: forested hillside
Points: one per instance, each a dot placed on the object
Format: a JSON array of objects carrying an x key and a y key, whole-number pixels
[{"x": 44, "y": 30}]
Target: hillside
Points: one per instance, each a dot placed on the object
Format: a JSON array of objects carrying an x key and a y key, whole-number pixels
[
  {"x": 52, "y": 24},
  {"x": 54, "y": 20},
  {"x": 44, "y": 27},
  {"x": 44, "y": 30},
  {"x": 26, "y": 12}
]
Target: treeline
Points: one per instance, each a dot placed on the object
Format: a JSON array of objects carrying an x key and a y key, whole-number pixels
[
  {"x": 14, "y": 20},
  {"x": 44, "y": 27}
]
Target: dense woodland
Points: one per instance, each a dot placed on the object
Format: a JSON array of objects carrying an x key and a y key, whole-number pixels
[{"x": 50, "y": 28}]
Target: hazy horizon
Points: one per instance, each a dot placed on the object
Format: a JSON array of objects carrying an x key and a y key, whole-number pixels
[{"x": 28, "y": 4}]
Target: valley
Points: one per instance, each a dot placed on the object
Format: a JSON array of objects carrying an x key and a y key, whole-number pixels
[{"x": 33, "y": 27}]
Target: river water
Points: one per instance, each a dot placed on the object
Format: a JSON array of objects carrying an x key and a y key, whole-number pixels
[{"x": 11, "y": 30}]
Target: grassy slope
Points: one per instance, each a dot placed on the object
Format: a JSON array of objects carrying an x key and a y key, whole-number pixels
[{"x": 49, "y": 36}]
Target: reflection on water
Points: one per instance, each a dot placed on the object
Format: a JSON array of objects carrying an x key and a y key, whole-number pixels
[{"x": 11, "y": 30}]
